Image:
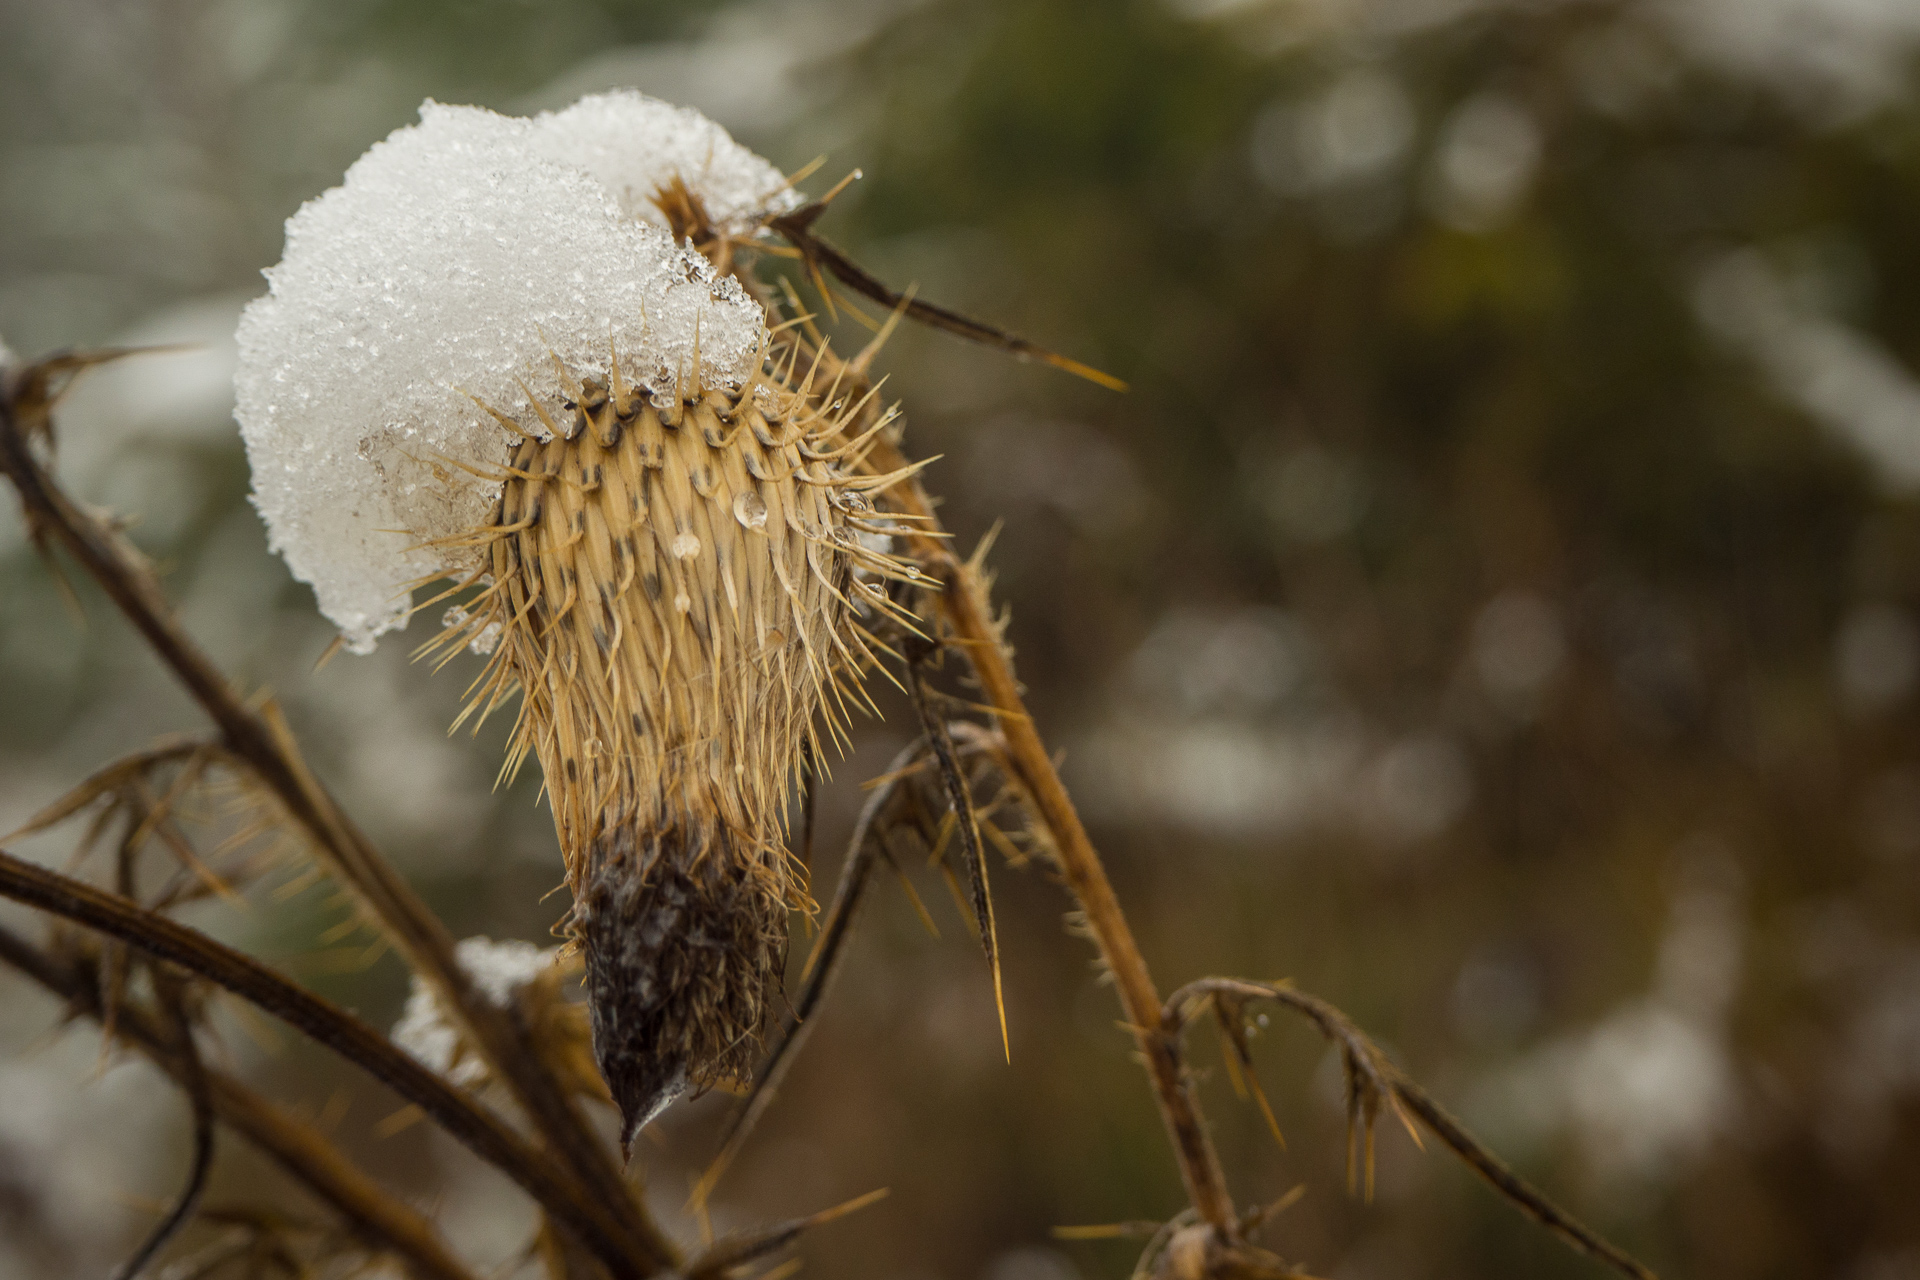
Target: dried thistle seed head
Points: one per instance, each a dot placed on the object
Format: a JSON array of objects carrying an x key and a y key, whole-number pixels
[
  {"x": 675, "y": 588},
  {"x": 478, "y": 361}
]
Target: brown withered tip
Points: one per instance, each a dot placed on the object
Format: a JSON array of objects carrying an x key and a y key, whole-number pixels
[{"x": 684, "y": 950}]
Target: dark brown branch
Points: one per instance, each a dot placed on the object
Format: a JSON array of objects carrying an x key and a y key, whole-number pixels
[
  {"x": 262, "y": 743},
  {"x": 1360, "y": 1051},
  {"x": 478, "y": 1129},
  {"x": 193, "y": 1081},
  {"x": 1509, "y": 1184},
  {"x": 382, "y": 1220},
  {"x": 797, "y": 229}
]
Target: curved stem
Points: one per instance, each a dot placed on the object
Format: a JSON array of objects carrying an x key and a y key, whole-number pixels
[
  {"x": 476, "y": 1128},
  {"x": 822, "y": 967},
  {"x": 259, "y": 739},
  {"x": 965, "y": 606},
  {"x": 384, "y": 1221},
  {"x": 193, "y": 1080},
  {"x": 1365, "y": 1056}
]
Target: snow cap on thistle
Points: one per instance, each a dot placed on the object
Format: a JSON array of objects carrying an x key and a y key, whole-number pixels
[
  {"x": 453, "y": 258},
  {"x": 486, "y": 357}
]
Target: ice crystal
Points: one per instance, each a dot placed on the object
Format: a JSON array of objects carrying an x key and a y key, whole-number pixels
[{"x": 456, "y": 259}]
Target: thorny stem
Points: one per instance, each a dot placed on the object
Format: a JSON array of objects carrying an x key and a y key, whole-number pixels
[
  {"x": 965, "y": 606},
  {"x": 382, "y": 1220},
  {"x": 1364, "y": 1056},
  {"x": 262, "y": 742},
  {"x": 475, "y": 1127}
]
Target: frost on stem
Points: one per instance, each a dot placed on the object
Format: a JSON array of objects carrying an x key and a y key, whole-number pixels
[{"x": 451, "y": 260}]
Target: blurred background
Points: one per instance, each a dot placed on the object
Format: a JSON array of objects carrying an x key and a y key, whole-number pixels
[{"x": 1493, "y": 607}]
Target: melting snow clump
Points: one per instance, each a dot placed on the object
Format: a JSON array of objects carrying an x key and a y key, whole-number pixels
[
  {"x": 452, "y": 263},
  {"x": 635, "y": 145},
  {"x": 498, "y": 969}
]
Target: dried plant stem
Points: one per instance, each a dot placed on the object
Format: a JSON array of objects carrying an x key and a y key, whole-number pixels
[
  {"x": 1509, "y": 1184},
  {"x": 797, "y": 229},
  {"x": 381, "y": 1219},
  {"x": 193, "y": 1082},
  {"x": 964, "y": 605},
  {"x": 732, "y": 1252},
  {"x": 478, "y": 1129},
  {"x": 967, "y": 610},
  {"x": 822, "y": 965},
  {"x": 1408, "y": 1098},
  {"x": 1156, "y": 1030},
  {"x": 261, "y": 741}
]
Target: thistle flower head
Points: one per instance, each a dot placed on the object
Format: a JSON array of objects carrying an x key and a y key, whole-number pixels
[{"x": 486, "y": 357}]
